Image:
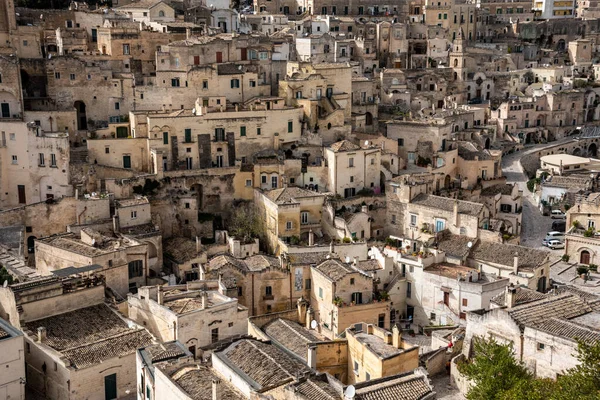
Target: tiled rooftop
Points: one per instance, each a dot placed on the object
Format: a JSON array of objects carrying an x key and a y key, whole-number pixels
[
  {"x": 163, "y": 351},
  {"x": 502, "y": 188},
  {"x": 569, "y": 330},
  {"x": 192, "y": 302},
  {"x": 334, "y": 269},
  {"x": 406, "y": 387},
  {"x": 197, "y": 383},
  {"x": 180, "y": 249},
  {"x": 90, "y": 335},
  {"x": 264, "y": 364},
  {"x": 368, "y": 265},
  {"x": 447, "y": 204},
  {"x": 253, "y": 263},
  {"x": 455, "y": 245},
  {"x": 377, "y": 345},
  {"x": 316, "y": 389},
  {"x": 292, "y": 336},
  {"x": 523, "y": 296},
  {"x": 344, "y": 145},
  {"x": 452, "y": 271},
  {"x": 504, "y": 254},
  {"x": 562, "y": 306}
]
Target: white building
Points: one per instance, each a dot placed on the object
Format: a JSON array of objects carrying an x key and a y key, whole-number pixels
[{"x": 12, "y": 362}]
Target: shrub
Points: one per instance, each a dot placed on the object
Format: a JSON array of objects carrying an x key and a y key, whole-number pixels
[
  {"x": 346, "y": 239},
  {"x": 565, "y": 258},
  {"x": 582, "y": 269}
]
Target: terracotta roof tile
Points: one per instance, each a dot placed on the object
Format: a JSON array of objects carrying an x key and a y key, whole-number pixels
[{"x": 344, "y": 145}]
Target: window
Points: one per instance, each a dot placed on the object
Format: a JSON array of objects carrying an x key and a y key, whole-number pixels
[
  {"x": 393, "y": 219},
  {"x": 214, "y": 335},
  {"x": 307, "y": 283},
  {"x": 350, "y": 162},
  {"x": 505, "y": 208},
  {"x": 242, "y": 131},
  {"x": 258, "y": 131},
  {"x": 188, "y": 135},
  {"x": 408, "y": 290},
  {"x": 413, "y": 219},
  {"x": 240, "y": 291},
  {"x": 235, "y": 83},
  {"x": 72, "y": 77},
  {"x": 165, "y": 137},
  {"x": 57, "y": 75},
  {"x": 41, "y": 161},
  {"x": 591, "y": 223},
  {"x": 126, "y": 161},
  {"x": 465, "y": 302},
  {"x": 204, "y": 84},
  {"x": 290, "y": 126},
  {"x": 269, "y": 291},
  {"x": 252, "y": 83},
  {"x": 263, "y": 55},
  {"x": 15, "y": 160},
  {"x": 107, "y": 150},
  {"x": 355, "y": 367},
  {"x": 357, "y": 297},
  {"x": 263, "y": 179},
  {"x": 0, "y": 78},
  {"x": 273, "y": 182},
  {"x": 133, "y": 214},
  {"x": 541, "y": 346},
  {"x": 117, "y": 106},
  {"x": 289, "y": 225},
  {"x": 136, "y": 269},
  {"x": 320, "y": 293},
  {"x": 351, "y": 179},
  {"x": 53, "y": 160},
  {"x": 367, "y": 376},
  {"x": 352, "y": 281},
  {"x": 248, "y": 182},
  {"x": 432, "y": 316},
  {"x": 304, "y": 217},
  {"x": 126, "y": 49},
  {"x": 219, "y": 134}
]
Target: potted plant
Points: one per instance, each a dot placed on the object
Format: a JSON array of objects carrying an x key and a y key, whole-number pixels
[{"x": 338, "y": 301}]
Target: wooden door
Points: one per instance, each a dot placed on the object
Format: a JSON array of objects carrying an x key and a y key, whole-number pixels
[{"x": 22, "y": 198}]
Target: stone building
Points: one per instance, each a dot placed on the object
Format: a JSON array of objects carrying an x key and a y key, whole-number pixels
[
  {"x": 12, "y": 346},
  {"x": 505, "y": 202},
  {"x": 353, "y": 168},
  {"x": 341, "y": 295},
  {"x": 583, "y": 217},
  {"x": 76, "y": 346},
  {"x": 289, "y": 213},
  {"x": 190, "y": 314},
  {"x": 375, "y": 353},
  {"x": 34, "y": 164},
  {"x": 540, "y": 330}
]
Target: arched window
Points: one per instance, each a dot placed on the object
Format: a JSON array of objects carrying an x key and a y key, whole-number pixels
[{"x": 161, "y": 13}]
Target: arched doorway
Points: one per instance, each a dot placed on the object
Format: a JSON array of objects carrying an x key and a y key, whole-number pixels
[
  {"x": 561, "y": 45},
  {"x": 592, "y": 150},
  {"x": 369, "y": 119},
  {"x": 447, "y": 181},
  {"x": 584, "y": 257},
  {"x": 487, "y": 143},
  {"x": 81, "y": 115},
  {"x": 576, "y": 151},
  {"x": 31, "y": 244}
]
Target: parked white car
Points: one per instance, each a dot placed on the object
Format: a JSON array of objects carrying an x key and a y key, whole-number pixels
[{"x": 555, "y": 244}]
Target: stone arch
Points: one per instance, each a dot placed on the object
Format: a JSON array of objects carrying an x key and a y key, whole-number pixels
[
  {"x": 592, "y": 150},
  {"x": 447, "y": 181},
  {"x": 577, "y": 151},
  {"x": 31, "y": 244},
  {"x": 585, "y": 256}
]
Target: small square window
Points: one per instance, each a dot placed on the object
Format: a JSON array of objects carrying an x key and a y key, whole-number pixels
[
  {"x": 352, "y": 281},
  {"x": 248, "y": 182},
  {"x": 107, "y": 150},
  {"x": 187, "y": 205},
  {"x": 133, "y": 214},
  {"x": 72, "y": 77},
  {"x": 541, "y": 346}
]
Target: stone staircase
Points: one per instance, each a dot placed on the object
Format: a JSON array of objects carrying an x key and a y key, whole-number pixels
[
  {"x": 16, "y": 266},
  {"x": 79, "y": 155}
]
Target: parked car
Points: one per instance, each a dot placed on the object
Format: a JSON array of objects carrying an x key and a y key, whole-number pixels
[
  {"x": 559, "y": 226},
  {"x": 553, "y": 235},
  {"x": 555, "y": 244},
  {"x": 557, "y": 214}
]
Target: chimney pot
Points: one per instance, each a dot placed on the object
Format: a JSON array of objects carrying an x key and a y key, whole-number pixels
[
  {"x": 516, "y": 263},
  {"x": 204, "y": 297},
  {"x": 216, "y": 389},
  {"x": 160, "y": 295},
  {"x": 311, "y": 238},
  {"x": 510, "y": 297},
  {"x": 396, "y": 337},
  {"x": 41, "y": 331}
]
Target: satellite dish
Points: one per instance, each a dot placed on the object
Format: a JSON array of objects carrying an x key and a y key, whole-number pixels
[
  {"x": 470, "y": 244},
  {"x": 366, "y": 142},
  {"x": 350, "y": 392},
  {"x": 313, "y": 324},
  {"x": 347, "y": 259},
  {"x": 5, "y": 284}
]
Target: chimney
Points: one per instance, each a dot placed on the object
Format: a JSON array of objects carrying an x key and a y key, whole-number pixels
[
  {"x": 160, "y": 295},
  {"x": 331, "y": 248},
  {"x": 396, "y": 337},
  {"x": 311, "y": 238},
  {"x": 510, "y": 297},
  {"x": 216, "y": 389},
  {"x": 116, "y": 226},
  {"x": 311, "y": 358},
  {"x": 41, "y": 334},
  {"x": 369, "y": 329},
  {"x": 455, "y": 212},
  {"x": 516, "y": 263},
  {"x": 302, "y": 306},
  {"x": 355, "y": 263},
  {"x": 76, "y": 194},
  {"x": 309, "y": 317},
  {"x": 198, "y": 244},
  {"x": 204, "y": 297}
]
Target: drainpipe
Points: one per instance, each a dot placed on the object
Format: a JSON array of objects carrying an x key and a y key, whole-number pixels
[
  {"x": 253, "y": 310},
  {"x": 79, "y": 216},
  {"x": 291, "y": 299}
]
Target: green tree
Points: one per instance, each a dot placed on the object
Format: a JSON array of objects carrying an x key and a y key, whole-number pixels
[
  {"x": 494, "y": 371},
  {"x": 245, "y": 223}
]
